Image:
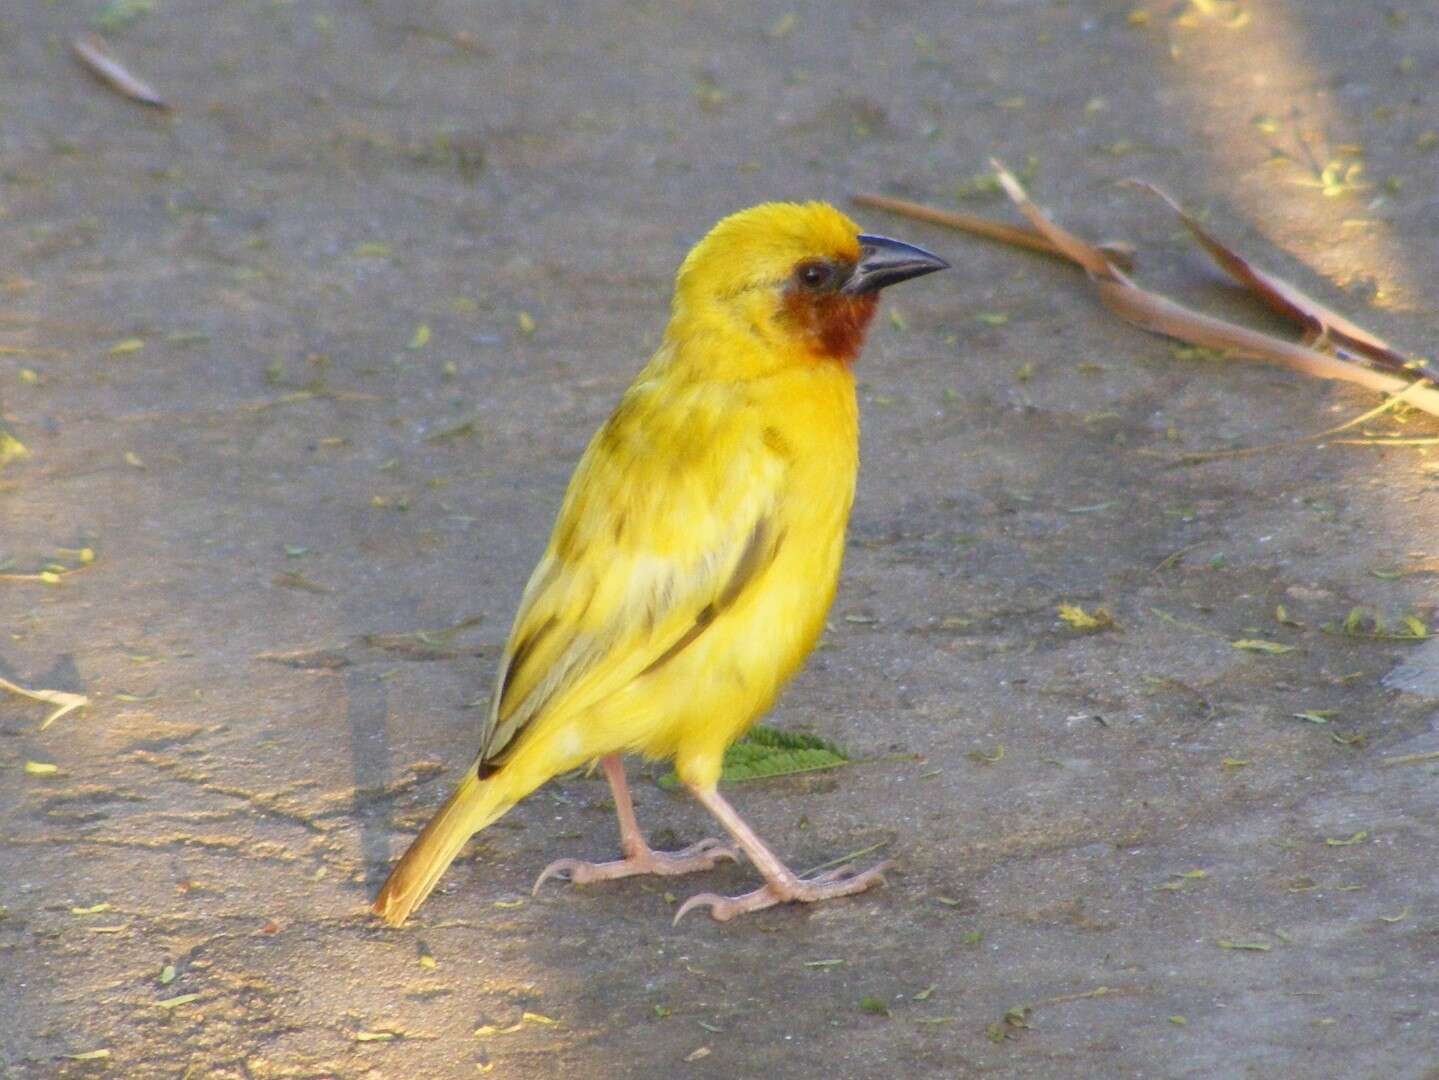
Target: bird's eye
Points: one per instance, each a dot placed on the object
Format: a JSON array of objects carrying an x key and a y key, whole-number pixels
[{"x": 815, "y": 275}]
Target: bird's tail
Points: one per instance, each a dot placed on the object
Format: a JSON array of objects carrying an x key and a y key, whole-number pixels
[{"x": 475, "y": 804}]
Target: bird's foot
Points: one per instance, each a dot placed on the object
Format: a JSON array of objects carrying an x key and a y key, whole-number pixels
[
  {"x": 699, "y": 856},
  {"x": 841, "y": 882}
]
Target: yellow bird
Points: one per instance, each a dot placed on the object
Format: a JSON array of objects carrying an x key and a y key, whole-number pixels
[{"x": 695, "y": 555}]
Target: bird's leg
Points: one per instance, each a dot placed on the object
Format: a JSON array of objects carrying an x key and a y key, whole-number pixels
[
  {"x": 782, "y": 885},
  {"x": 639, "y": 858}
]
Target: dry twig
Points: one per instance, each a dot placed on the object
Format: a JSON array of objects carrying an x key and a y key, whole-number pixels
[{"x": 1160, "y": 315}]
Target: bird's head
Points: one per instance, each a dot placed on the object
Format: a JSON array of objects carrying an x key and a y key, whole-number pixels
[{"x": 797, "y": 279}]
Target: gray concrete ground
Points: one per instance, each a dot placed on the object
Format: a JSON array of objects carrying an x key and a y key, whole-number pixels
[{"x": 280, "y": 493}]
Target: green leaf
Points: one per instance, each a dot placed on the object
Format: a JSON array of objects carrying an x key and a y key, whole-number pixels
[{"x": 767, "y": 752}]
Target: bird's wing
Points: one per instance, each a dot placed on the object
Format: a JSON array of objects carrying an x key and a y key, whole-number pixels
[{"x": 668, "y": 520}]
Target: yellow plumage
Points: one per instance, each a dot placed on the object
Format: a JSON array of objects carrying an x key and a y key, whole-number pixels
[{"x": 699, "y": 542}]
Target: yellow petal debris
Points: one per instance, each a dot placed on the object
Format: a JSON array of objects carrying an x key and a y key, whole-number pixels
[
  {"x": 41, "y": 768},
  {"x": 11, "y": 449},
  {"x": 525, "y": 1018},
  {"x": 129, "y": 345},
  {"x": 1076, "y": 618},
  {"x": 1259, "y": 645},
  {"x": 526, "y": 322}
]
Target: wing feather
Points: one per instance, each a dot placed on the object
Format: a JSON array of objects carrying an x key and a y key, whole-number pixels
[{"x": 650, "y": 548}]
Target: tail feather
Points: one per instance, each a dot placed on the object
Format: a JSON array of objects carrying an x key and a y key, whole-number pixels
[{"x": 475, "y": 804}]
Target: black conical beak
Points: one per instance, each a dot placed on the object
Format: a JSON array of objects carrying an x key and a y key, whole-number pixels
[{"x": 884, "y": 262}]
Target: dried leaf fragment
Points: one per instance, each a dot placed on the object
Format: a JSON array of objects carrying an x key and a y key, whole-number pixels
[
  {"x": 64, "y": 701},
  {"x": 1260, "y": 645},
  {"x": 92, "y": 51},
  {"x": 525, "y": 1018},
  {"x": 1016, "y": 236},
  {"x": 994, "y": 757},
  {"x": 1319, "y": 322},
  {"x": 176, "y": 1002},
  {"x": 1357, "y": 838},
  {"x": 11, "y": 448},
  {"x": 1077, "y": 619},
  {"x": 1411, "y": 759}
]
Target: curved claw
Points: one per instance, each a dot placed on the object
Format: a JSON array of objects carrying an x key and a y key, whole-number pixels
[
  {"x": 717, "y": 905},
  {"x": 560, "y": 867}
]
